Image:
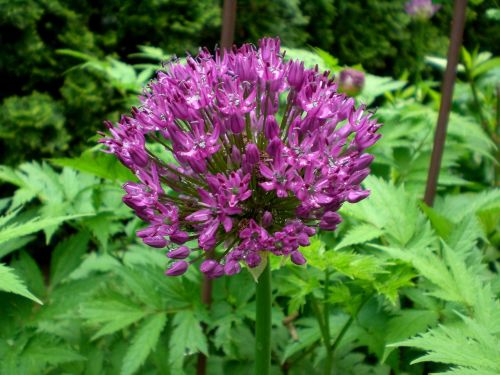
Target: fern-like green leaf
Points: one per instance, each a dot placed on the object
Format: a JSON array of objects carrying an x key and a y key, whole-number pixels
[
  {"x": 67, "y": 256},
  {"x": 111, "y": 315},
  {"x": 10, "y": 282},
  {"x": 469, "y": 346},
  {"x": 388, "y": 208},
  {"x": 143, "y": 343},
  {"x": 17, "y": 230},
  {"x": 98, "y": 164},
  {"x": 188, "y": 335},
  {"x": 359, "y": 234}
]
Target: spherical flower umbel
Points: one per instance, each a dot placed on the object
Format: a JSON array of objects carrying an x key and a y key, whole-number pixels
[
  {"x": 421, "y": 9},
  {"x": 250, "y": 177},
  {"x": 351, "y": 81}
]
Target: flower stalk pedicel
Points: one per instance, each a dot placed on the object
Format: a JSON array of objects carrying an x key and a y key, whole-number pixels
[{"x": 248, "y": 180}]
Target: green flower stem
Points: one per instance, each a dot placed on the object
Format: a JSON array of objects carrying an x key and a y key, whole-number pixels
[
  {"x": 263, "y": 324},
  {"x": 325, "y": 333},
  {"x": 326, "y": 314}
]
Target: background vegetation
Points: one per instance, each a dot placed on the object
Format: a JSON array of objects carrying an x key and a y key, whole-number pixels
[{"x": 400, "y": 288}]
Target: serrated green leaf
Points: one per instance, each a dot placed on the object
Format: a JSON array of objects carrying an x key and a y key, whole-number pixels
[
  {"x": 143, "y": 342},
  {"x": 188, "y": 335},
  {"x": 29, "y": 271},
  {"x": 485, "y": 66},
  {"x": 51, "y": 354},
  {"x": 11, "y": 283},
  {"x": 17, "y": 230},
  {"x": 388, "y": 208},
  {"x": 307, "y": 337},
  {"x": 97, "y": 164},
  {"x": 102, "y": 227},
  {"x": 111, "y": 316},
  {"x": 355, "y": 266},
  {"x": 469, "y": 346},
  {"x": 67, "y": 256},
  {"x": 457, "y": 207},
  {"x": 144, "y": 289},
  {"x": 95, "y": 262},
  {"x": 359, "y": 234},
  {"x": 440, "y": 223},
  {"x": 407, "y": 324},
  {"x": 14, "y": 244}
]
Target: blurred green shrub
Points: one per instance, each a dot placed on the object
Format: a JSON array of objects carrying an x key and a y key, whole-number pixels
[{"x": 30, "y": 126}]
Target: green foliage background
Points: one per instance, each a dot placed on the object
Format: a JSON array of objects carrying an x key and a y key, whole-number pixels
[{"x": 400, "y": 288}]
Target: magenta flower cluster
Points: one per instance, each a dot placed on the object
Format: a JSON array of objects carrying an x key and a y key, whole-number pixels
[
  {"x": 351, "y": 81},
  {"x": 265, "y": 152},
  {"x": 421, "y": 9}
]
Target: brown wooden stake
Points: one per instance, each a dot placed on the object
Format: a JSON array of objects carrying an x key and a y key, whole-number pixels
[
  {"x": 457, "y": 30},
  {"x": 226, "y": 42},
  {"x": 228, "y": 23}
]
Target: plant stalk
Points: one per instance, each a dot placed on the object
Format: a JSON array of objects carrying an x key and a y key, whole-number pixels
[
  {"x": 348, "y": 324},
  {"x": 457, "y": 31},
  {"x": 263, "y": 323},
  {"x": 326, "y": 318}
]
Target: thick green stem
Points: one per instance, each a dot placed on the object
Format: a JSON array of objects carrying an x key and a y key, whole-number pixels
[
  {"x": 326, "y": 317},
  {"x": 263, "y": 324},
  {"x": 325, "y": 333}
]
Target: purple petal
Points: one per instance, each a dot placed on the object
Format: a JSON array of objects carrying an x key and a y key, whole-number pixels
[{"x": 201, "y": 215}]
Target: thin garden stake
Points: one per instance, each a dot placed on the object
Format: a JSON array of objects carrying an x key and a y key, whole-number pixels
[
  {"x": 228, "y": 23},
  {"x": 457, "y": 30},
  {"x": 226, "y": 41}
]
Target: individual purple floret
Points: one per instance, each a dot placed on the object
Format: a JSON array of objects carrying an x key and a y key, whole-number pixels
[
  {"x": 421, "y": 9},
  {"x": 250, "y": 178}
]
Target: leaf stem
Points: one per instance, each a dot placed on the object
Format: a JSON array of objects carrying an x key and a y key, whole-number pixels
[
  {"x": 263, "y": 323},
  {"x": 348, "y": 324}
]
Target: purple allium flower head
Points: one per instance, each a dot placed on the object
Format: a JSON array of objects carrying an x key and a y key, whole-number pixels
[
  {"x": 351, "y": 81},
  {"x": 421, "y": 9},
  {"x": 245, "y": 182}
]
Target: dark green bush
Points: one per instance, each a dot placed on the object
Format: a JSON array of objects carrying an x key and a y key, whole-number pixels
[{"x": 32, "y": 125}]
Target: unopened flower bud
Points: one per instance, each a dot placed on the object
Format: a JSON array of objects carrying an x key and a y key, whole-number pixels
[
  {"x": 155, "y": 241},
  {"x": 208, "y": 265},
  {"x": 297, "y": 258},
  {"x": 232, "y": 267},
  {"x": 271, "y": 128},
  {"x": 357, "y": 195},
  {"x": 252, "y": 154},
  {"x": 179, "y": 253},
  {"x": 177, "y": 268},
  {"x": 267, "y": 219},
  {"x": 296, "y": 74},
  {"x": 179, "y": 237}
]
